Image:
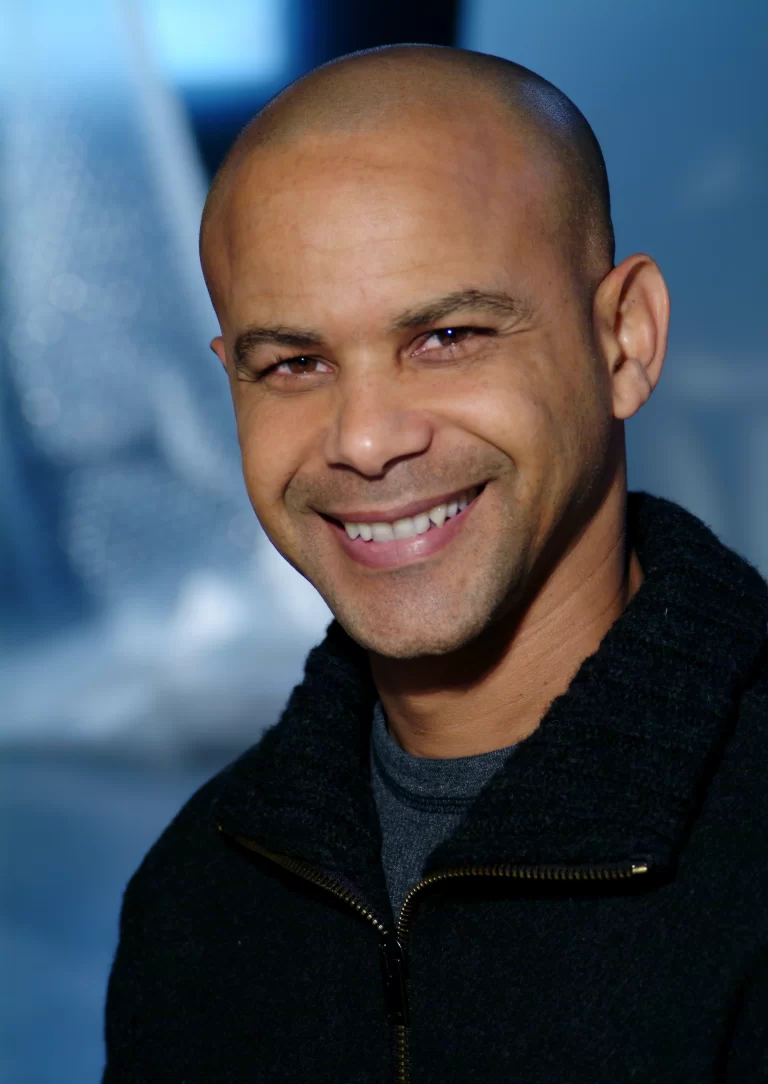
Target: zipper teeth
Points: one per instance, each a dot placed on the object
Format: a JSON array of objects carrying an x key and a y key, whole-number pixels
[
  {"x": 402, "y": 1054},
  {"x": 317, "y": 877},
  {"x": 621, "y": 871},
  {"x": 618, "y": 871}
]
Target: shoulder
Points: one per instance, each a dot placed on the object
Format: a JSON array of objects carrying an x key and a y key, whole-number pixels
[{"x": 189, "y": 847}]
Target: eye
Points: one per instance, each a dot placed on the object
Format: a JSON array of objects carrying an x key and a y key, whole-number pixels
[
  {"x": 449, "y": 338},
  {"x": 301, "y": 366}
]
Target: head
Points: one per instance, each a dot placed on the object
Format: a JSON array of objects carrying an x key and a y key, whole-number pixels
[{"x": 411, "y": 256}]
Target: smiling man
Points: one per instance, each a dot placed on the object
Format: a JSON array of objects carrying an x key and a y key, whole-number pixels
[{"x": 507, "y": 827}]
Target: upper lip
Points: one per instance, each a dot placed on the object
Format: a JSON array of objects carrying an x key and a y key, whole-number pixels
[{"x": 402, "y": 511}]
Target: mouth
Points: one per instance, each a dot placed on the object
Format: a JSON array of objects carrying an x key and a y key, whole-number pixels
[{"x": 388, "y": 543}]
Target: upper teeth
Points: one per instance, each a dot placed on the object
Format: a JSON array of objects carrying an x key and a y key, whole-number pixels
[{"x": 410, "y": 526}]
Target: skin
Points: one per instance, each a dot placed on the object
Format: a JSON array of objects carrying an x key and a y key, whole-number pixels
[{"x": 345, "y": 233}]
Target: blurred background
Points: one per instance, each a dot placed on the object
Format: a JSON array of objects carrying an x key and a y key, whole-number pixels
[{"x": 147, "y": 630}]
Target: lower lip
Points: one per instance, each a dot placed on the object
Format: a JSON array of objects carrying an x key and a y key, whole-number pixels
[{"x": 402, "y": 551}]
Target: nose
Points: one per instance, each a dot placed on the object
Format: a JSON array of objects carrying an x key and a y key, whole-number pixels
[{"x": 374, "y": 426}]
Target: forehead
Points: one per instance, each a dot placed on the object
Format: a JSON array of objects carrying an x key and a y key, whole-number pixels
[{"x": 382, "y": 213}]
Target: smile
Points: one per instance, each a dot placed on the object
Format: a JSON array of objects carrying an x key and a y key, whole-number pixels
[
  {"x": 381, "y": 543},
  {"x": 411, "y": 526}
]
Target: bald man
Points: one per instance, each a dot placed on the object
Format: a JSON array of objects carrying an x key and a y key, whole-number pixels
[{"x": 510, "y": 827}]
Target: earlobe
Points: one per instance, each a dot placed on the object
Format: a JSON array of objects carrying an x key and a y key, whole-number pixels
[
  {"x": 632, "y": 386},
  {"x": 631, "y": 320},
  {"x": 217, "y": 345}
]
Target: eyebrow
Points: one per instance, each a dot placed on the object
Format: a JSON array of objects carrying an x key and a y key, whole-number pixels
[
  {"x": 461, "y": 301},
  {"x": 430, "y": 313},
  {"x": 298, "y": 338}
]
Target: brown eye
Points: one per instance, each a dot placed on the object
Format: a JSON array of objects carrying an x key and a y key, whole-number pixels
[
  {"x": 450, "y": 335},
  {"x": 444, "y": 338},
  {"x": 300, "y": 366},
  {"x": 296, "y": 366}
]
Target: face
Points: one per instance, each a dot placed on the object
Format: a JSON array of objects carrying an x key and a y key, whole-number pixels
[{"x": 418, "y": 401}]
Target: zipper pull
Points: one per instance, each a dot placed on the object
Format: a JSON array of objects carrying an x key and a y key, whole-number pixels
[{"x": 394, "y": 973}]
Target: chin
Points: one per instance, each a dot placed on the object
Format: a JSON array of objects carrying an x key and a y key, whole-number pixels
[
  {"x": 413, "y": 640},
  {"x": 426, "y": 613}
]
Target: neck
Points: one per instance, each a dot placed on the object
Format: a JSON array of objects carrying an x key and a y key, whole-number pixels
[{"x": 462, "y": 705}]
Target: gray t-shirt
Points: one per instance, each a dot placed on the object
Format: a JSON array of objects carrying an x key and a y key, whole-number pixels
[{"x": 420, "y": 801}]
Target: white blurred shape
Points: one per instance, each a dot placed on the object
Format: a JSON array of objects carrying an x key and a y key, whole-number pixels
[
  {"x": 209, "y": 612},
  {"x": 231, "y": 41},
  {"x": 293, "y": 598}
]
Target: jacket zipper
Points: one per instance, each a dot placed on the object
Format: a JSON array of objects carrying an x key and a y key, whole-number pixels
[{"x": 393, "y": 946}]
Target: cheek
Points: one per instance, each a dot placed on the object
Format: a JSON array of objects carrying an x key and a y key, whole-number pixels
[
  {"x": 543, "y": 410},
  {"x": 512, "y": 407},
  {"x": 274, "y": 446}
]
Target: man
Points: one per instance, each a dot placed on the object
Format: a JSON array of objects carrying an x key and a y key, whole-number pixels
[{"x": 510, "y": 826}]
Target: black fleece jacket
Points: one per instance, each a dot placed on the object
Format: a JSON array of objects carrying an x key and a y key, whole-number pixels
[{"x": 604, "y": 917}]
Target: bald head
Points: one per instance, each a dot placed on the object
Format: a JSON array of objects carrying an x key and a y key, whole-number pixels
[{"x": 411, "y": 86}]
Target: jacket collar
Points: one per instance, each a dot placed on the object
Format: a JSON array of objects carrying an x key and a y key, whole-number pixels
[{"x": 616, "y": 767}]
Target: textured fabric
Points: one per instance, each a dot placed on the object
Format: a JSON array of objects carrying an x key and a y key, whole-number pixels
[
  {"x": 420, "y": 802},
  {"x": 234, "y": 967}
]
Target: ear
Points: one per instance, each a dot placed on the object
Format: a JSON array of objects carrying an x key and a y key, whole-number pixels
[
  {"x": 217, "y": 345},
  {"x": 630, "y": 319}
]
